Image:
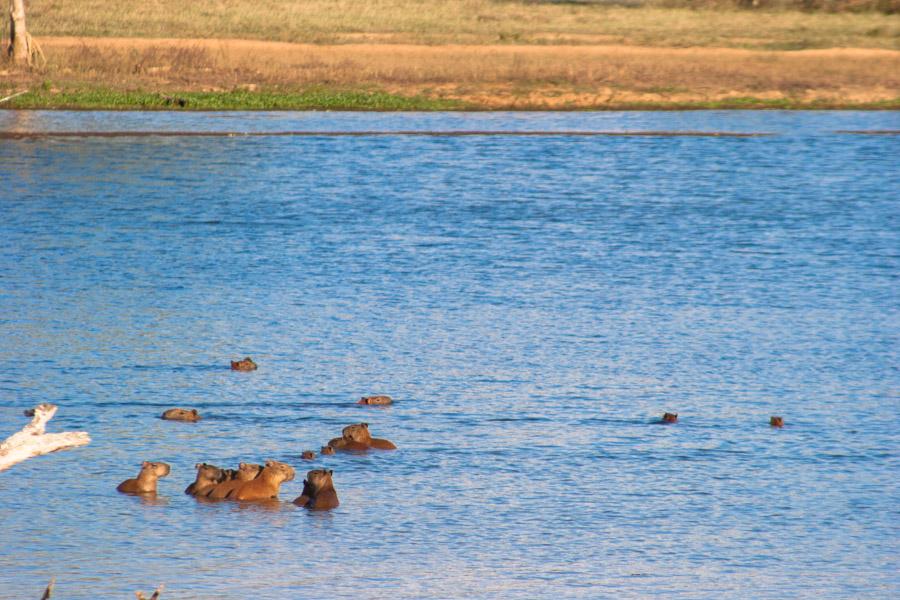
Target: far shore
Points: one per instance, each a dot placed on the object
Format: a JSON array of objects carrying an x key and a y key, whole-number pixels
[{"x": 231, "y": 74}]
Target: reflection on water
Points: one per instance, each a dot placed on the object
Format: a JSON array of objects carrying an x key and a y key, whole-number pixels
[{"x": 533, "y": 304}]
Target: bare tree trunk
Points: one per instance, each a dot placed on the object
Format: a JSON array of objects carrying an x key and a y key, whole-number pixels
[
  {"x": 32, "y": 441},
  {"x": 19, "y": 40}
]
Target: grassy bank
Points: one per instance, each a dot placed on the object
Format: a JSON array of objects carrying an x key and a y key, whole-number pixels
[
  {"x": 336, "y": 99},
  {"x": 311, "y": 99},
  {"x": 450, "y": 54},
  {"x": 777, "y": 24}
]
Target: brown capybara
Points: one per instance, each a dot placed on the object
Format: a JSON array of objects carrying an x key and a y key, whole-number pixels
[
  {"x": 776, "y": 421},
  {"x": 208, "y": 477},
  {"x": 181, "y": 414},
  {"x": 357, "y": 438},
  {"x": 243, "y": 365},
  {"x": 145, "y": 482},
  {"x": 246, "y": 472},
  {"x": 308, "y": 455},
  {"x": 318, "y": 491},
  {"x": 327, "y": 450},
  {"x": 376, "y": 400},
  {"x": 669, "y": 418},
  {"x": 266, "y": 485}
]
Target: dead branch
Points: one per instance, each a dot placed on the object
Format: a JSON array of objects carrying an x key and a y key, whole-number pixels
[{"x": 32, "y": 441}]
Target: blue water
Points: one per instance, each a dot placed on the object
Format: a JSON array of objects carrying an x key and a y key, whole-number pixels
[{"x": 533, "y": 304}]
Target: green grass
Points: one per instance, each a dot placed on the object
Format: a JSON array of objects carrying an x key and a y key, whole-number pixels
[
  {"x": 327, "y": 99},
  {"x": 311, "y": 99}
]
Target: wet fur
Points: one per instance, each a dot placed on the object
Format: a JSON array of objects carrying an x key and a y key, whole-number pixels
[
  {"x": 318, "y": 491},
  {"x": 246, "y": 472},
  {"x": 266, "y": 485},
  {"x": 145, "y": 482}
]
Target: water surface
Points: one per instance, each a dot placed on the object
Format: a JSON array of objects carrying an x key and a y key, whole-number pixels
[{"x": 533, "y": 304}]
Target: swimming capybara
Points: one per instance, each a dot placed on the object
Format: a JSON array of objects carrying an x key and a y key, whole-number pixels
[
  {"x": 776, "y": 421},
  {"x": 308, "y": 455},
  {"x": 145, "y": 482},
  {"x": 327, "y": 450},
  {"x": 669, "y": 418},
  {"x": 181, "y": 414},
  {"x": 318, "y": 491},
  {"x": 266, "y": 485},
  {"x": 356, "y": 438},
  {"x": 243, "y": 365},
  {"x": 208, "y": 477},
  {"x": 375, "y": 400},
  {"x": 246, "y": 472}
]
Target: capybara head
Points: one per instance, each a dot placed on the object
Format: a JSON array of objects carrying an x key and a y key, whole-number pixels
[
  {"x": 279, "y": 470},
  {"x": 246, "y": 364},
  {"x": 776, "y": 421},
  {"x": 319, "y": 479},
  {"x": 159, "y": 469},
  {"x": 308, "y": 455},
  {"x": 327, "y": 450},
  {"x": 375, "y": 400},
  {"x": 670, "y": 418},
  {"x": 357, "y": 433},
  {"x": 181, "y": 414},
  {"x": 207, "y": 472},
  {"x": 247, "y": 471}
]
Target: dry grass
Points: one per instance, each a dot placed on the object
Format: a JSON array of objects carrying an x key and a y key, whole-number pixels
[
  {"x": 473, "y": 22},
  {"x": 495, "y": 76}
]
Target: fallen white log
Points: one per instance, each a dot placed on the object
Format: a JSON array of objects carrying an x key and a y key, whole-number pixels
[{"x": 32, "y": 441}]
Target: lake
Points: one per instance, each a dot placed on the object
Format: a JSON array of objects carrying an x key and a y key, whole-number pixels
[{"x": 533, "y": 303}]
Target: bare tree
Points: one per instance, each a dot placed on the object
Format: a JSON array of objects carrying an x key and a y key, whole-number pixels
[{"x": 22, "y": 48}]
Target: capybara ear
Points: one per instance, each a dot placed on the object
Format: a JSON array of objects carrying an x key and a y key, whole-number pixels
[
  {"x": 366, "y": 425},
  {"x": 194, "y": 411},
  {"x": 198, "y": 465},
  {"x": 145, "y": 464},
  {"x": 241, "y": 465},
  {"x": 270, "y": 462},
  {"x": 331, "y": 472}
]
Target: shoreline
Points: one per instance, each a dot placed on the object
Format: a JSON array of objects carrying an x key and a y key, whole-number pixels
[{"x": 84, "y": 73}]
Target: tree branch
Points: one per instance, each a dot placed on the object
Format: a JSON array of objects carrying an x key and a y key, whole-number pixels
[{"x": 32, "y": 441}]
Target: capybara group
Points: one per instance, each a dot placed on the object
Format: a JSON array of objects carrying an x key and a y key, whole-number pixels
[
  {"x": 266, "y": 484},
  {"x": 245, "y": 472},
  {"x": 318, "y": 491},
  {"x": 145, "y": 482},
  {"x": 181, "y": 414},
  {"x": 208, "y": 477}
]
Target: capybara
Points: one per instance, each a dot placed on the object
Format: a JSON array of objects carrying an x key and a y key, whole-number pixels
[
  {"x": 266, "y": 485},
  {"x": 208, "y": 476},
  {"x": 308, "y": 455},
  {"x": 181, "y": 414},
  {"x": 357, "y": 438},
  {"x": 318, "y": 491},
  {"x": 327, "y": 450},
  {"x": 243, "y": 365},
  {"x": 246, "y": 472},
  {"x": 376, "y": 400},
  {"x": 776, "y": 421},
  {"x": 145, "y": 482},
  {"x": 670, "y": 418}
]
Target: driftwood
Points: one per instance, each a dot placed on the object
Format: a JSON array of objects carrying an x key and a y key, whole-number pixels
[
  {"x": 32, "y": 441},
  {"x": 49, "y": 591},
  {"x": 155, "y": 596}
]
